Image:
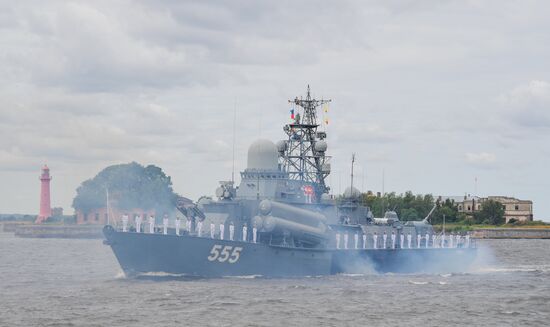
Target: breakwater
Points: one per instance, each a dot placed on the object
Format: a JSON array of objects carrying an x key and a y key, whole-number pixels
[
  {"x": 11, "y": 226},
  {"x": 60, "y": 231},
  {"x": 512, "y": 233}
]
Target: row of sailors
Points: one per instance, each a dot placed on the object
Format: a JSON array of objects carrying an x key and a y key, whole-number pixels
[
  {"x": 436, "y": 241},
  {"x": 429, "y": 241},
  {"x": 198, "y": 228}
]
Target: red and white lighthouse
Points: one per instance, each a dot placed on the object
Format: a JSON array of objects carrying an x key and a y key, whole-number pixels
[{"x": 45, "y": 205}]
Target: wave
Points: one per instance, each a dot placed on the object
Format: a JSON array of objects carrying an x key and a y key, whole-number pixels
[
  {"x": 522, "y": 268},
  {"x": 244, "y": 276},
  {"x": 120, "y": 275},
  {"x": 352, "y": 275},
  {"x": 417, "y": 282}
]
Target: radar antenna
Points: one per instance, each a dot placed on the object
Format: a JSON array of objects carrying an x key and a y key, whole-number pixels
[
  {"x": 352, "y": 163},
  {"x": 304, "y": 157}
]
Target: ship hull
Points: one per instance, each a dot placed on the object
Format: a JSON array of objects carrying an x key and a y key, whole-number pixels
[{"x": 141, "y": 253}]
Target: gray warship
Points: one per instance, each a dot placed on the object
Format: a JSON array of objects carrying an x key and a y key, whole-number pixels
[{"x": 281, "y": 221}]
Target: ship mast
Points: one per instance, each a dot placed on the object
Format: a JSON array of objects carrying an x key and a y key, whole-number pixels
[{"x": 304, "y": 154}]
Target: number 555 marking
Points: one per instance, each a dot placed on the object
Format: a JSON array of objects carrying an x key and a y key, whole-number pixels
[{"x": 225, "y": 254}]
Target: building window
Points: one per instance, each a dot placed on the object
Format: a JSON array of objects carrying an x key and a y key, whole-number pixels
[
  {"x": 517, "y": 207},
  {"x": 459, "y": 207},
  {"x": 469, "y": 208}
]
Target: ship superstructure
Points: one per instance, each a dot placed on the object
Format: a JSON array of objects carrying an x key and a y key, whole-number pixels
[{"x": 303, "y": 153}]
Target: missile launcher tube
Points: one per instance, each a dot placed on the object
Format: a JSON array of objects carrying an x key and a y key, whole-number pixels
[
  {"x": 271, "y": 224},
  {"x": 292, "y": 213}
]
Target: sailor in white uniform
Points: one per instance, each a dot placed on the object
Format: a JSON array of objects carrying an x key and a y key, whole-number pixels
[
  {"x": 337, "y": 240},
  {"x": 364, "y": 241},
  {"x": 458, "y": 239},
  {"x": 151, "y": 224},
  {"x": 418, "y": 239},
  {"x": 393, "y": 240},
  {"x": 467, "y": 237},
  {"x": 375, "y": 241},
  {"x": 451, "y": 240},
  {"x": 165, "y": 224},
  {"x": 245, "y": 231},
  {"x": 231, "y": 231},
  {"x": 222, "y": 230},
  {"x": 346, "y": 240},
  {"x": 385, "y": 240},
  {"x": 188, "y": 225},
  {"x": 427, "y": 240},
  {"x": 125, "y": 223},
  {"x": 409, "y": 240},
  {"x": 212, "y": 230},
  {"x": 356, "y": 239},
  {"x": 138, "y": 223},
  {"x": 178, "y": 222},
  {"x": 443, "y": 240},
  {"x": 401, "y": 240},
  {"x": 199, "y": 228},
  {"x": 254, "y": 234}
]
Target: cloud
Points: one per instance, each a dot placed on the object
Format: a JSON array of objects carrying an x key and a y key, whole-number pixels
[
  {"x": 87, "y": 84},
  {"x": 481, "y": 159},
  {"x": 353, "y": 132},
  {"x": 528, "y": 105}
]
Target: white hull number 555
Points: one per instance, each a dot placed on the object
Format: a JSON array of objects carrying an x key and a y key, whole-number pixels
[{"x": 225, "y": 253}]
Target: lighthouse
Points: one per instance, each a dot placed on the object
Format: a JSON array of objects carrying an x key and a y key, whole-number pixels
[{"x": 45, "y": 205}]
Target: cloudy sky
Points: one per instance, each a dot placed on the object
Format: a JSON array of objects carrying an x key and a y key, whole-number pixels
[{"x": 432, "y": 93}]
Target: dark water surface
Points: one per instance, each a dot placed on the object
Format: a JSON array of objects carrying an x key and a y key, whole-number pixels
[{"x": 56, "y": 282}]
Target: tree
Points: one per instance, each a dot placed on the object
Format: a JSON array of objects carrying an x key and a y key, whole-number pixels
[
  {"x": 491, "y": 212},
  {"x": 408, "y": 205},
  {"x": 447, "y": 209},
  {"x": 130, "y": 186}
]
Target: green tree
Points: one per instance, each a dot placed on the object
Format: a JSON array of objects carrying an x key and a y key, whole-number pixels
[
  {"x": 491, "y": 212},
  {"x": 408, "y": 205},
  {"x": 446, "y": 208},
  {"x": 130, "y": 186}
]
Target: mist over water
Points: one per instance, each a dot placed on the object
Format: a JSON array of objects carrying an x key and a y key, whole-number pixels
[{"x": 56, "y": 282}]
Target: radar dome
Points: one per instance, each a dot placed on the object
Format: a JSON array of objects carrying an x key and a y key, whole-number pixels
[
  {"x": 281, "y": 146},
  {"x": 352, "y": 192},
  {"x": 321, "y": 146},
  {"x": 263, "y": 155}
]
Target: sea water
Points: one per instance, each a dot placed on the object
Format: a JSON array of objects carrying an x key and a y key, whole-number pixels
[{"x": 60, "y": 282}]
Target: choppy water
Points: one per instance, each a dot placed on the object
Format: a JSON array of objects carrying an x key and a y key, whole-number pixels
[{"x": 56, "y": 282}]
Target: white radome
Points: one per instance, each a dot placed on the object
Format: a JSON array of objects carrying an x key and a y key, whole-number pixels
[{"x": 263, "y": 155}]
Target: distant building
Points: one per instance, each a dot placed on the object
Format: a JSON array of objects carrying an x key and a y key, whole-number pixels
[
  {"x": 45, "y": 204},
  {"x": 520, "y": 210}
]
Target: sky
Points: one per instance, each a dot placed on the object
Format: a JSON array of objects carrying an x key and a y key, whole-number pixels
[{"x": 430, "y": 95}]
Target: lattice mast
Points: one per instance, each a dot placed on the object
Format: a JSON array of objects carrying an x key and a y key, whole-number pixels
[{"x": 304, "y": 156}]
